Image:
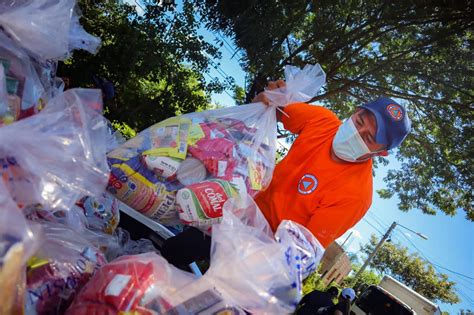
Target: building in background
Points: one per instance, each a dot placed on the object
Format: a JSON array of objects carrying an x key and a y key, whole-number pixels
[{"x": 335, "y": 264}]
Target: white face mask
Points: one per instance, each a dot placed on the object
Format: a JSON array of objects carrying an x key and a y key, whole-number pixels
[{"x": 348, "y": 144}]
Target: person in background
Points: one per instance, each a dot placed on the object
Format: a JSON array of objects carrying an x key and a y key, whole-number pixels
[
  {"x": 315, "y": 300},
  {"x": 343, "y": 306}
]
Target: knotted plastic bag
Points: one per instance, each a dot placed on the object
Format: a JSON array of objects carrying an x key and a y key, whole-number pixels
[
  {"x": 48, "y": 29},
  {"x": 190, "y": 165},
  {"x": 58, "y": 155},
  {"x": 305, "y": 251}
]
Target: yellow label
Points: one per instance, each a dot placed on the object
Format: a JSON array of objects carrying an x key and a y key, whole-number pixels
[
  {"x": 195, "y": 134},
  {"x": 255, "y": 175}
]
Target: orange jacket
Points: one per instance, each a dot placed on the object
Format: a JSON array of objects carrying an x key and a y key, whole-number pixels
[{"x": 308, "y": 186}]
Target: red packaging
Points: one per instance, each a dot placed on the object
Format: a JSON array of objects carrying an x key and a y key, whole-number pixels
[
  {"x": 217, "y": 155},
  {"x": 119, "y": 286}
]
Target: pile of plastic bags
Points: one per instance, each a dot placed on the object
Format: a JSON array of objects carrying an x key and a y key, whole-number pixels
[{"x": 62, "y": 168}]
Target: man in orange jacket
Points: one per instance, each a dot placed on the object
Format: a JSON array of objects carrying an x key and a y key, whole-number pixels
[{"x": 325, "y": 180}]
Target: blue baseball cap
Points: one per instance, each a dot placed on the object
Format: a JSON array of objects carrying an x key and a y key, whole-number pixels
[{"x": 393, "y": 124}]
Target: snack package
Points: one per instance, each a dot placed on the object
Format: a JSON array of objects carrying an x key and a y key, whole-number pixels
[
  {"x": 101, "y": 212},
  {"x": 18, "y": 241},
  {"x": 48, "y": 29},
  {"x": 128, "y": 284},
  {"x": 63, "y": 264},
  {"x": 58, "y": 155},
  {"x": 234, "y": 144},
  {"x": 26, "y": 92},
  {"x": 249, "y": 271}
]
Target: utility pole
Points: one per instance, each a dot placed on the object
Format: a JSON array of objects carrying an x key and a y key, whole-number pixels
[
  {"x": 349, "y": 236},
  {"x": 367, "y": 261}
]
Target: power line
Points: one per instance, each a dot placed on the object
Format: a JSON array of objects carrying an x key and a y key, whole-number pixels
[
  {"x": 452, "y": 271},
  {"x": 225, "y": 91},
  {"x": 381, "y": 224},
  {"x": 234, "y": 48},
  {"x": 438, "y": 265},
  {"x": 367, "y": 221},
  {"x": 468, "y": 299}
]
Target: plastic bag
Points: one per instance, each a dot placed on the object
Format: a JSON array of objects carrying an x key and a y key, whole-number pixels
[
  {"x": 235, "y": 145},
  {"x": 62, "y": 265},
  {"x": 49, "y": 29},
  {"x": 26, "y": 91},
  {"x": 249, "y": 270},
  {"x": 18, "y": 241},
  {"x": 129, "y": 283},
  {"x": 101, "y": 212},
  {"x": 127, "y": 246},
  {"x": 306, "y": 251},
  {"x": 57, "y": 156}
]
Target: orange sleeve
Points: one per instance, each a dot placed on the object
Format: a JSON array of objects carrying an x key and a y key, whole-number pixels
[
  {"x": 300, "y": 114},
  {"x": 328, "y": 223}
]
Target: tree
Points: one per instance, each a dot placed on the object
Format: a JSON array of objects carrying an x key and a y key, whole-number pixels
[
  {"x": 156, "y": 60},
  {"x": 366, "y": 278},
  {"x": 418, "y": 52},
  {"x": 410, "y": 269}
]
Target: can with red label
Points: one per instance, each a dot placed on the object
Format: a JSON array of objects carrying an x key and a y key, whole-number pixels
[{"x": 201, "y": 204}]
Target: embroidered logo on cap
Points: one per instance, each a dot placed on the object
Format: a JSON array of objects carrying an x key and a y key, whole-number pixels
[
  {"x": 307, "y": 184},
  {"x": 395, "y": 111}
]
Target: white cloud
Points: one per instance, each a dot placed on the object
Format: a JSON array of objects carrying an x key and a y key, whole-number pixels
[
  {"x": 408, "y": 234},
  {"x": 355, "y": 233}
]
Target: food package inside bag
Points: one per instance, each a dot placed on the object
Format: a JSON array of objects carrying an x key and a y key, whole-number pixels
[
  {"x": 234, "y": 144},
  {"x": 201, "y": 204},
  {"x": 63, "y": 264},
  {"x": 18, "y": 241},
  {"x": 26, "y": 92},
  {"x": 249, "y": 271},
  {"x": 57, "y": 156},
  {"x": 129, "y": 284}
]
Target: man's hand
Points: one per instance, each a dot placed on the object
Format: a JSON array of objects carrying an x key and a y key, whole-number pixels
[{"x": 272, "y": 85}]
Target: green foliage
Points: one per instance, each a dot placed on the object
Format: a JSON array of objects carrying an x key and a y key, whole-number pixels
[
  {"x": 156, "y": 61},
  {"x": 418, "y": 52},
  {"x": 313, "y": 282},
  {"x": 365, "y": 279},
  {"x": 239, "y": 95},
  {"x": 124, "y": 129},
  {"x": 410, "y": 269}
]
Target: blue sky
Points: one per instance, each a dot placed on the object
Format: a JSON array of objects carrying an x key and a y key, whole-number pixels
[{"x": 450, "y": 239}]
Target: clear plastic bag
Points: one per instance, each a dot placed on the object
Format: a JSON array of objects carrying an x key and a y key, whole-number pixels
[
  {"x": 127, "y": 246},
  {"x": 58, "y": 155},
  {"x": 62, "y": 265},
  {"x": 49, "y": 29},
  {"x": 101, "y": 212},
  {"x": 18, "y": 241},
  {"x": 194, "y": 163},
  {"x": 129, "y": 283},
  {"x": 26, "y": 90},
  {"x": 306, "y": 251},
  {"x": 249, "y": 270}
]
